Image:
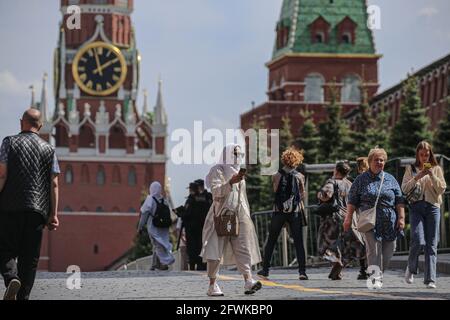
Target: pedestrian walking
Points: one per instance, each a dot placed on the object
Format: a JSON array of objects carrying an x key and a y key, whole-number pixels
[
  {"x": 289, "y": 187},
  {"x": 155, "y": 216},
  {"x": 424, "y": 185},
  {"x": 28, "y": 202},
  {"x": 377, "y": 194},
  {"x": 339, "y": 247},
  {"x": 227, "y": 183}
]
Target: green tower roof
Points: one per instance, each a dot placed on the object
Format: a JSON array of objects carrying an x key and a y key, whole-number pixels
[{"x": 298, "y": 15}]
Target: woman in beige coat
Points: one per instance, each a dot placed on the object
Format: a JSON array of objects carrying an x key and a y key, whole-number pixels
[
  {"x": 424, "y": 183},
  {"x": 224, "y": 181}
]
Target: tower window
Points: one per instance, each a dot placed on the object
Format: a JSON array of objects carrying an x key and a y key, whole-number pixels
[
  {"x": 314, "y": 88},
  {"x": 96, "y": 249},
  {"x": 319, "y": 38},
  {"x": 346, "y": 38},
  {"x": 320, "y": 30},
  {"x": 101, "y": 177},
  {"x": 132, "y": 179},
  {"x": 68, "y": 176},
  {"x": 351, "y": 91}
]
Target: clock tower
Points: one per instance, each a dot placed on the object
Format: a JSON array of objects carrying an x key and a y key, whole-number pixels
[{"x": 108, "y": 150}]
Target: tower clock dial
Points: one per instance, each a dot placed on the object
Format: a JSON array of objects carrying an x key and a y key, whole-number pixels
[{"x": 99, "y": 69}]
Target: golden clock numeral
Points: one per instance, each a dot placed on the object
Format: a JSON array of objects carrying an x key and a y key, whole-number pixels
[
  {"x": 99, "y": 87},
  {"x": 91, "y": 53},
  {"x": 115, "y": 78},
  {"x": 83, "y": 77},
  {"x": 90, "y": 84},
  {"x": 100, "y": 50},
  {"x": 108, "y": 53},
  {"x": 117, "y": 69},
  {"x": 83, "y": 59},
  {"x": 109, "y": 85},
  {"x": 81, "y": 69}
]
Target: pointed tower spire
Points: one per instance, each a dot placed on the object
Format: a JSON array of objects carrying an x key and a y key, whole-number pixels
[
  {"x": 33, "y": 102},
  {"x": 160, "y": 112},
  {"x": 145, "y": 107},
  {"x": 44, "y": 105}
]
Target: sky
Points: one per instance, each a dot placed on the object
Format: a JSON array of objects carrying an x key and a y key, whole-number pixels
[{"x": 210, "y": 54}]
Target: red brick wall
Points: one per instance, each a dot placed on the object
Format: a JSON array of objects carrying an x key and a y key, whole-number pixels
[{"x": 73, "y": 243}]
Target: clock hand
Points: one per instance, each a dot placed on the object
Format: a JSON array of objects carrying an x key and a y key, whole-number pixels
[
  {"x": 105, "y": 65},
  {"x": 97, "y": 60}
]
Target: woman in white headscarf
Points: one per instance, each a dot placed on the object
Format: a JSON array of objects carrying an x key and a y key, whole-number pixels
[
  {"x": 243, "y": 250},
  {"x": 162, "y": 248}
]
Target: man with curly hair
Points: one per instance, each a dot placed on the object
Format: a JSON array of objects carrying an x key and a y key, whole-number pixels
[{"x": 289, "y": 187}]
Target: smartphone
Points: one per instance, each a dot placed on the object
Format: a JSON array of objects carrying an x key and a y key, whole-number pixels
[{"x": 242, "y": 171}]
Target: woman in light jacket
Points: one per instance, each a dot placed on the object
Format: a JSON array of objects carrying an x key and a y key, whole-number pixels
[
  {"x": 242, "y": 251},
  {"x": 160, "y": 237},
  {"x": 425, "y": 212}
]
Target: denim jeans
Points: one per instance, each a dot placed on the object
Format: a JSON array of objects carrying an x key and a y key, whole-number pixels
[
  {"x": 424, "y": 219},
  {"x": 277, "y": 223}
]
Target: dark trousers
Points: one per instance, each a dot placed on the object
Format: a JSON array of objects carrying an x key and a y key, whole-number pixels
[
  {"x": 277, "y": 223},
  {"x": 20, "y": 239},
  {"x": 194, "y": 247}
]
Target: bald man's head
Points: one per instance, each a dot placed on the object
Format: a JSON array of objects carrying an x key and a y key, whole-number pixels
[{"x": 31, "y": 119}]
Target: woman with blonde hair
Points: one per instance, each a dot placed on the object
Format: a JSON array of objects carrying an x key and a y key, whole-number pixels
[
  {"x": 377, "y": 188},
  {"x": 424, "y": 184},
  {"x": 289, "y": 187},
  {"x": 362, "y": 164}
]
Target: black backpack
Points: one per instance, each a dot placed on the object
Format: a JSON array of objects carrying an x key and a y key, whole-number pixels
[
  {"x": 331, "y": 206},
  {"x": 288, "y": 188},
  {"x": 162, "y": 217}
]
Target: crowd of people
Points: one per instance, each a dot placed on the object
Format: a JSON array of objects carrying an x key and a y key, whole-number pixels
[
  {"x": 360, "y": 221},
  {"x": 342, "y": 202}
]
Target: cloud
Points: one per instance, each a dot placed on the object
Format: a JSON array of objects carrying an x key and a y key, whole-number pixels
[
  {"x": 428, "y": 12},
  {"x": 10, "y": 85}
]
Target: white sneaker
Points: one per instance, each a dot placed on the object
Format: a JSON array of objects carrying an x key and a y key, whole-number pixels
[
  {"x": 431, "y": 285},
  {"x": 214, "y": 291},
  {"x": 252, "y": 286},
  {"x": 377, "y": 284},
  {"x": 409, "y": 277}
]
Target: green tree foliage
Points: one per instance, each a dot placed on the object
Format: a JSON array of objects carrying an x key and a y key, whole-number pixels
[{"x": 413, "y": 124}]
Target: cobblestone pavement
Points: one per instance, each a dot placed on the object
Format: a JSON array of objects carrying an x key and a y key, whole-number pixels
[{"x": 283, "y": 285}]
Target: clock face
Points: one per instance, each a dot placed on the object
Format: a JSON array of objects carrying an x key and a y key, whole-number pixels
[{"x": 99, "y": 69}]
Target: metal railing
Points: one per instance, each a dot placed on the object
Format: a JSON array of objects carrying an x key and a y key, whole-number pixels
[{"x": 284, "y": 254}]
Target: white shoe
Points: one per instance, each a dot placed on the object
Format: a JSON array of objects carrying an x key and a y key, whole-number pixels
[
  {"x": 252, "y": 286},
  {"x": 431, "y": 285},
  {"x": 214, "y": 291},
  {"x": 377, "y": 284},
  {"x": 409, "y": 277}
]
